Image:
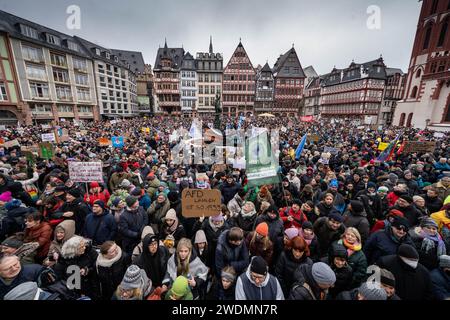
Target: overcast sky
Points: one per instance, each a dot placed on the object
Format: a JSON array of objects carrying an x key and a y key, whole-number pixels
[{"x": 325, "y": 32}]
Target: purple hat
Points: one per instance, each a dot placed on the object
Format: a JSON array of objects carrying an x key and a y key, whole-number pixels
[
  {"x": 218, "y": 218},
  {"x": 291, "y": 233}
]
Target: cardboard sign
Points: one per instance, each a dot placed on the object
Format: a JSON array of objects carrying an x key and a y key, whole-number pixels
[
  {"x": 331, "y": 150},
  {"x": 48, "y": 137},
  {"x": 85, "y": 171},
  {"x": 11, "y": 144},
  {"x": 198, "y": 203},
  {"x": 307, "y": 118},
  {"x": 419, "y": 146},
  {"x": 313, "y": 138},
  {"x": 382, "y": 146},
  {"x": 104, "y": 142},
  {"x": 118, "y": 142},
  {"x": 46, "y": 150}
]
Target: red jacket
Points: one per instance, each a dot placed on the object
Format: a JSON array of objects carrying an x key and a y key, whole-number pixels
[
  {"x": 104, "y": 196},
  {"x": 392, "y": 198},
  {"x": 41, "y": 234},
  {"x": 299, "y": 218}
]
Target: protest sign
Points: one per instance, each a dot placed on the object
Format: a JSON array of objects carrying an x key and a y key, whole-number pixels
[
  {"x": 331, "y": 150},
  {"x": 419, "y": 146},
  {"x": 382, "y": 146},
  {"x": 104, "y": 142},
  {"x": 11, "y": 144},
  {"x": 85, "y": 171},
  {"x": 313, "y": 138},
  {"x": 439, "y": 134},
  {"x": 307, "y": 118},
  {"x": 118, "y": 142},
  {"x": 2, "y": 127},
  {"x": 48, "y": 137},
  {"x": 45, "y": 150},
  {"x": 198, "y": 203}
]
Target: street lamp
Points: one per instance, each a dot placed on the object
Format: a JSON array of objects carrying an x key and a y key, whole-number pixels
[{"x": 427, "y": 122}]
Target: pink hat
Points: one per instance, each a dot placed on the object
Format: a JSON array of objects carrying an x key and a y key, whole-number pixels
[
  {"x": 291, "y": 233},
  {"x": 218, "y": 218},
  {"x": 6, "y": 196}
]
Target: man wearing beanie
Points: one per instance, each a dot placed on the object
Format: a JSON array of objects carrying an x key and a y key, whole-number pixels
[
  {"x": 356, "y": 217},
  {"x": 440, "y": 279},
  {"x": 144, "y": 198},
  {"x": 276, "y": 230},
  {"x": 405, "y": 205},
  {"x": 100, "y": 225},
  {"x": 131, "y": 223},
  {"x": 367, "y": 291},
  {"x": 387, "y": 281},
  {"x": 73, "y": 209},
  {"x": 387, "y": 242},
  {"x": 312, "y": 282},
  {"x": 412, "y": 279},
  {"x": 257, "y": 283}
]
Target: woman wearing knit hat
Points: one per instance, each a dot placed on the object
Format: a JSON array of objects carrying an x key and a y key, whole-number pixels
[
  {"x": 135, "y": 285},
  {"x": 171, "y": 226},
  {"x": 307, "y": 233},
  {"x": 276, "y": 230},
  {"x": 295, "y": 254},
  {"x": 153, "y": 259},
  {"x": 259, "y": 243},
  {"x": 180, "y": 290},
  {"x": 419, "y": 203},
  {"x": 263, "y": 195},
  {"x": 338, "y": 262},
  {"x": 428, "y": 243},
  {"x": 312, "y": 282},
  {"x": 96, "y": 192},
  {"x": 185, "y": 262}
]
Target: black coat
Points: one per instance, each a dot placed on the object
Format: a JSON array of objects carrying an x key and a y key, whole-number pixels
[
  {"x": 410, "y": 284},
  {"x": 285, "y": 268},
  {"x": 411, "y": 213},
  {"x": 110, "y": 277},
  {"x": 325, "y": 235},
  {"x": 343, "y": 282},
  {"x": 100, "y": 228},
  {"x": 381, "y": 244},
  {"x": 28, "y": 273},
  {"x": 433, "y": 204},
  {"x": 80, "y": 211},
  {"x": 246, "y": 224},
  {"x": 155, "y": 266},
  {"x": 131, "y": 225},
  {"x": 226, "y": 255},
  {"x": 229, "y": 190}
]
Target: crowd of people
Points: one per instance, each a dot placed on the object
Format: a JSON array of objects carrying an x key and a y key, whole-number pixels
[{"x": 341, "y": 226}]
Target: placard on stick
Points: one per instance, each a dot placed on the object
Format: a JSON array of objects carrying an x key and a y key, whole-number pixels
[
  {"x": 198, "y": 203},
  {"x": 86, "y": 171},
  {"x": 419, "y": 146}
]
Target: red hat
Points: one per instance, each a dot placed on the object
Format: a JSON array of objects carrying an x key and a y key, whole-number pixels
[
  {"x": 94, "y": 185},
  {"x": 136, "y": 165},
  {"x": 151, "y": 175},
  {"x": 395, "y": 213},
  {"x": 263, "y": 229}
]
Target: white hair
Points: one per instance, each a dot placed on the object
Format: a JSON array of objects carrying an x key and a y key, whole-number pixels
[{"x": 70, "y": 248}]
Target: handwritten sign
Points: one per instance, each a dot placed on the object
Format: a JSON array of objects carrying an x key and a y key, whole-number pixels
[
  {"x": 313, "y": 138},
  {"x": 104, "y": 142},
  {"x": 48, "y": 137},
  {"x": 85, "y": 171},
  {"x": 419, "y": 146},
  {"x": 197, "y": 203},
  {"x": 331, "y": 150}
]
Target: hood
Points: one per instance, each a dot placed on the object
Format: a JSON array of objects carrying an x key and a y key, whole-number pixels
[
  {"x": 147, "y": 230},
  {"x": 13, "y": 204},
  {"x": 69, "y": 229}
]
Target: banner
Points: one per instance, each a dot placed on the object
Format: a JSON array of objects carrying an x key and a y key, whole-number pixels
[
  {"x": 382, "y": 146},
  {"x": 85, "y": 171},
  {"x": 118, "y": 142},
  {"x": 419, "y": 146},
  {"x": 45, "y": 150},
  {"x": 48, "y": 137},
  {"x": 11, "y": 144},
  {"x": 307, "y": 118},
  {"x": 104, "y": 142},
  {"x": 198, "y": 203}
]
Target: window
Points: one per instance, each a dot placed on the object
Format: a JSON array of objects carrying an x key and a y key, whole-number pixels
[
  {"x": 414, "y": 92},
  {"x": 81, "y": 64},
  {"x": 85, "y": 109},
  {"x": 65, "y": 109},
  {"x": 409, "y": 121},
  {"x": 72, "y": 46},
  {"x": 83, "y": 94},
  {"x": 39, "y": 90},
  {"x": 418, "y": 73},
  {"x": 28, "y": 31},
  {"x": 107, "y": 55},
  {"x": 82, "y": 79},
  {"x": 31, "y": 53},
  {"x": 434, "y": 7},
  {"x": 63, "y": 93},
  {"x": 36, "y": 72},
  {"x": 443, "y": 34},
  {"x": 53, "y": 39},
  {"x": 40, "y": 108},
  {"x": 3, "y": 95},
  {"x": 426, "y": 42},
  {"x": 58, "y": 60},
  {"x": 60, "y": 75}
]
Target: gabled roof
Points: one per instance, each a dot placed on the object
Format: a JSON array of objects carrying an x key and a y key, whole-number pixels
[
  {"x": 240, "y": 47},
  {"x": 392, "y": 71},
  {"x": 174, "y": 54},
  {"x": 284, "y": 61},
  {"x": 310, "y": 72},
  {"x": 134, "y": 58},
  {"x": 266, "y": 68}
]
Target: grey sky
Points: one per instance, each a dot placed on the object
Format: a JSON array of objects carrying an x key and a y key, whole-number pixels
[{"x": 325, "y": 32}]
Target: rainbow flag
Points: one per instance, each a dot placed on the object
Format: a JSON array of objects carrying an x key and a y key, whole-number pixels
[{"x": 389, "y": 151}]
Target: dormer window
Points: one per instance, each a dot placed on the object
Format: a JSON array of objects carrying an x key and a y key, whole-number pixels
[
  {"x": 28, "y": 31},
  {"x": 107, "y": 54},
  {"x": 53, "y": 39},
  {"x": 97, "y": 51},
  {"x": 72, "y": 46},
  {"x": 116, "y": 59}
]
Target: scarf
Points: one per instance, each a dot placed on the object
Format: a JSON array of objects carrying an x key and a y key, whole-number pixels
[
  {"x": 351, "y": 248},
  {"x": 429, "y": 243},
  {"x": 103, "y": 262},
  {"x": 308, "y": 239},
  {"x": 213, "y": 226},
  {"x": 247, "y": 215}
]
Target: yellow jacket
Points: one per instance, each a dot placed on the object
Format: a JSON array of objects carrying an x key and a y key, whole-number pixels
[{"x": 441, "y": 219}]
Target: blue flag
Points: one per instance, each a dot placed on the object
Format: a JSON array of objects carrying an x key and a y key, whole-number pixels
[
  {"x": 117, "y": 142},
  {"x": 300, "y": 147}
]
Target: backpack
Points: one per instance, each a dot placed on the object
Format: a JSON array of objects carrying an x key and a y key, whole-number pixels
[{"x": 60, "y": 290}]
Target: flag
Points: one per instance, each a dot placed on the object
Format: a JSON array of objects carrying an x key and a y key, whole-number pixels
[
  {"x": 196, "y": 130},
  {"x": 389, "y": 151},
  {"x": 241, "y": 119},
  {"x": 402, "y": 147},
  {"x": 300, "y": 147}
]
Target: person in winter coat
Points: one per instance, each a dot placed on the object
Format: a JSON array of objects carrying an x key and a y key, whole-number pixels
[
  {"x": 180, "y": 290},
  {"x": 100, "y": 224},
  {"x": 63, "y": 232},
  {"x": 186, "y": 263},
  {"x": 413, "y": 187},
  {"x": 338, "y": 199},
  {"x": 131, "y": 224},
  {"x": 442, "y": 218},
  {"x": 235, "y": 205},
  {"x": 144, "y": 198},
  {"x": 293, "y": 216},
  {"x": 295, "y": 254},
  {"x": 442, "y": 187},
  {"x": 111, "y": 266},
  {"x": 12, "y": 273},
  {"x": 257, "y": 283},
  {"x": 386, "y": 223},
  {"x": 246, "y": 219},
  {"x": 14, "y": 219},
  {"x": 386, "y": 242},
  {"x": 419, "y": 203},
  {"x": 77, "y": 251},
  {"x": 229, "y": 188},
  {"x": 202, "y": 248},
  {"x": 172, "y": 227},
  {"x": 14, "y": 246},
  {"x": 328, "y": 229},
  {"x": 372, "y": 202},
  {"x": 153, "y": 259},
  {"x": 225, "y": 288},
  {"x": 387, "y": 281},
  {"x": 259, "y": 244},
  {"x": 351, "y": 240},
  {"x": 276, "y": 229},
  {"x": 96, "y": 193},
  {"x": 309, "y": 211},
  {"x": 428, "y": 243},
  {"x": 338, "y": 262},
  {"x": 412, "y": 279},
  {"x": 405, "y": 205},
  {"x": 135, "y": 285},
  {"x": 397, "y": 192},
  {"x": 440, "y": 279},
  {"x": 157, "y": 211},
  {"x": 38, "y": 231},
  {"x": 371, "y": 292},
  {"x": 139, "y": 248},
  {"x": 73, "y": 209},
  {"x": 356, "y": 217},
  {"x": 432, "y": 201},
  {"x": 312, "y": 282},
  {"x": 117, "y": 177},
  {"x": 263, "y": 195},
  {"x": 231, "y": 251},
  {"x": 307, "y": 233},
  {"x": 325, "y": 207},
  {"x": 52, "y": 205}
]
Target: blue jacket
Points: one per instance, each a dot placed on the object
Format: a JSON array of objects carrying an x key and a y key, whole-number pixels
[
  {"x": 145, "y": 201},
  {"x": 226, "y": 255},
  {"x": 131, "y": 225},
  {"x": 440, "y": 284},
  {"x": 29, "y": 272},
  {"x": 100, "y": 228}
]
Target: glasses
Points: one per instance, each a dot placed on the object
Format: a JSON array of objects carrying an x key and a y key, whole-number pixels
[
  {"x": 401, "y": 228},
  {"x": 256, "y": 277}
]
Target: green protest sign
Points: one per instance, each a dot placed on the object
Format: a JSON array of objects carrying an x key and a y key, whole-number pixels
[{"x": 46, "y": 150}]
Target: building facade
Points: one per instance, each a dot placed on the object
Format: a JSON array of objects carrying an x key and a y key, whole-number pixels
[
  {"x": 188, "y": 86},
  {"x": 312, "y": 97},
  {"x": 265, "y": 89},
  {"x": 115, "y": 82},
  {"x": 393, "y": 92},
  {"x": 210, "y": 72},
  {"x": 289, "y": 84},
  {"x": 167, "y": 79},
  {"x": 426, "y": 102}
]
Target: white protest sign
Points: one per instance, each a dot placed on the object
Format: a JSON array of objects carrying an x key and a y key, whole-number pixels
[
  {"x": 85, "y": 171},
  {"x": 45, "y": 126},
  {"x": 48, "y": 137},
  {"x": 439, "y": 134},
  {"x": 2, "y": 127}
]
